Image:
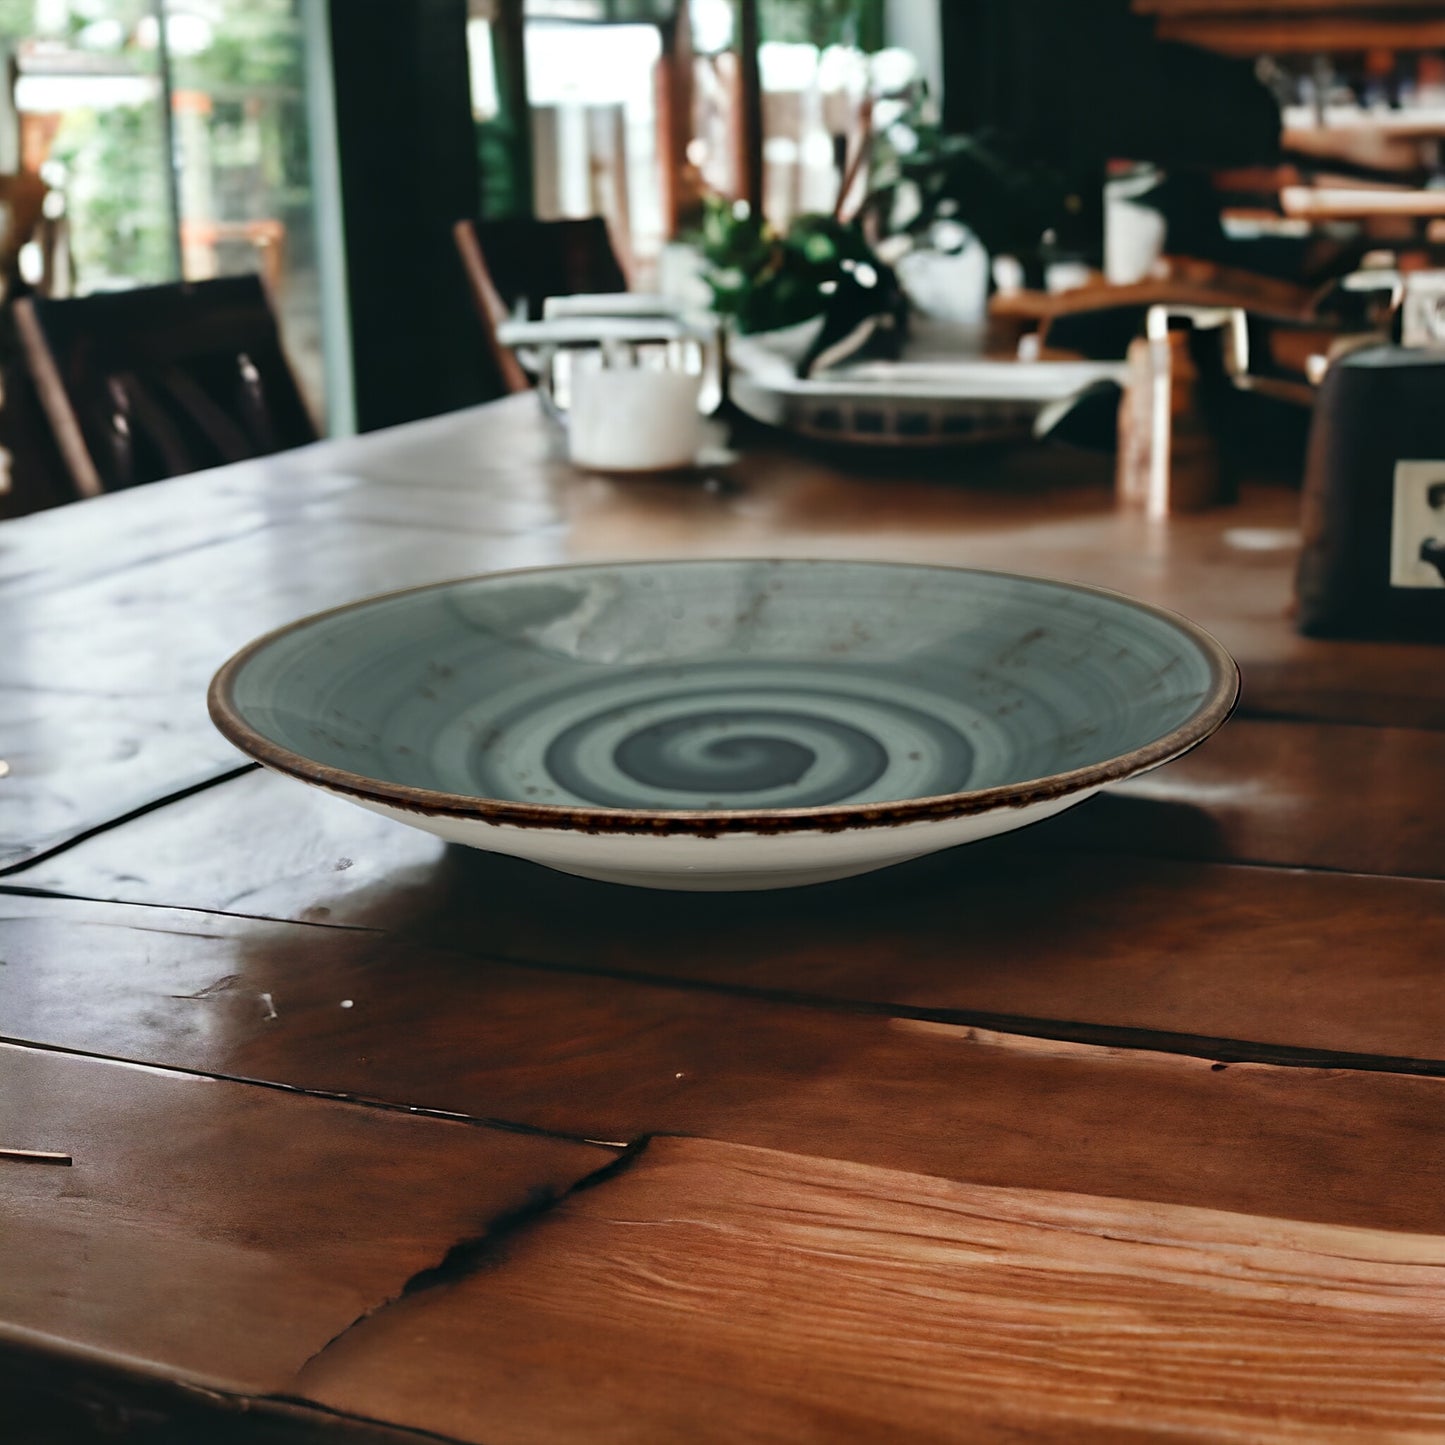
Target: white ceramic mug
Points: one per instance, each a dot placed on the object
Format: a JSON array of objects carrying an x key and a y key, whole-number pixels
[{"x": 634, "y": 419}]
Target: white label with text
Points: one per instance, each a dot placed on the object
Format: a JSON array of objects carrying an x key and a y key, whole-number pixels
[{"x": 1417, "y": 535}]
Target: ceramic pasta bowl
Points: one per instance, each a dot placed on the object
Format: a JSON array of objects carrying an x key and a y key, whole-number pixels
[{"x": 726, "y": 724}]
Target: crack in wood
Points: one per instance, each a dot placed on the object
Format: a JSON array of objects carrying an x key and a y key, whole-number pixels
[
  {"x": 17, "y": 890},
  {"x": 330, "y": 1096},
  {"x": 1117, "y": 1036},
  {"x": 468, "y": 1256},
  {"x": 1219, "y": 1048},
  {"x": 27, "y": 857}
]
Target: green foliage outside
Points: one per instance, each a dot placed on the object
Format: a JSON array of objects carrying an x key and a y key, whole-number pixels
[
  {"x": 823, "y": 22},
  {"x": 115, "y": 188},
  {"x": 253, "y": 70},
  {"x": 17, "y": 19},
  {"x": 114, "y": 156},
  {"x": 256, "y": 47}
]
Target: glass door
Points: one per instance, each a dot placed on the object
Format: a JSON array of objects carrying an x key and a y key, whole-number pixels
[{"x": 173, "y": 138}]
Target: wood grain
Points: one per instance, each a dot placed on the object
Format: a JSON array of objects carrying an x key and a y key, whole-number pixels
[
  {"x": 103, "y": 676},
  {"x": 119, "y": 609},
  {"x": 1356, "y": 203},
  {"x": 1069, "y": 1011},
  {"x": 1352, "y": 799},
  {"x": 1269, "y": 955},
  {"x": 1286, "y": 794},
  {"x": 1266, "y": 955},
  {"x": 607, "y": 1059},
  {"x": 55, "y": 1396},
  {"x": 1250, "y": 36},
  {"x": 222, "y": 1233},
  {"x": 1264, "y": 7},
  {"x": 714, "y": 1293}
]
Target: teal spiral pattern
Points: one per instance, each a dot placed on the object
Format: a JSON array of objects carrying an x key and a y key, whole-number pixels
[{"x": 725, "y": 737}]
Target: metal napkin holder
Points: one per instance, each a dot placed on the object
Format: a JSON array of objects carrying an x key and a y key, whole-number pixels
[{"x": 625, "y": 330}]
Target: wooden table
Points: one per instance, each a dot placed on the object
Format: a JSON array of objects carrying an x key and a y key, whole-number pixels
[{"x": 1129, "y": 1125}]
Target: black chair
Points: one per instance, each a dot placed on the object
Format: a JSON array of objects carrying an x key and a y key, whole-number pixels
[{"x": 156, "y": 382}]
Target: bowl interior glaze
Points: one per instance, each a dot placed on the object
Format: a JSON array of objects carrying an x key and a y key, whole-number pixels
[{"x": 721, "y": 686}]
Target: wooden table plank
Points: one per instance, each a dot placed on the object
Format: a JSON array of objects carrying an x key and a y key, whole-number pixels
[
  {"x": 62, "y": 1397},
  {"x": 711, "y": 1292},
  {"x": 607, "y": 1059},
  {"x": 118, "y": 610},
  {"x": 220, "y": 1232},
  {"x": 1352, "y": 799},
  {"x": 223, "y": 1232},
  {"x": 55, "y": 1397},
  {"x": 1285, "y": 794},
  {"x": 259, "y": 844},
  {"x": 496, "y": 468},
  {"x": 102, "y": 684},
  {"x": 1311, "y": 960},
  {"x": 1269, "y": 956},
  {"x": 295, "y": 853}
]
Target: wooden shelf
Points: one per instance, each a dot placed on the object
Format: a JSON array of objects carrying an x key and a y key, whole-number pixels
[
  {"x": 1208, "y": 8},
  {"x": 1358, "y": 203},
  {"x": 1304, "y": 36},
  {"x": 1416, "y": 124},
  {"x": 1294, "y": 27}
]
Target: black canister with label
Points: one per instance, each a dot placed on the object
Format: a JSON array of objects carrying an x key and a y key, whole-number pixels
[{"x": 1373, "y": 563}]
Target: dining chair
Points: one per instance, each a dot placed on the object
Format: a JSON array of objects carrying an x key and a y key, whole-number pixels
[
  {"x": 517, "y": 264},
  {"x": 163, "y": 380}
]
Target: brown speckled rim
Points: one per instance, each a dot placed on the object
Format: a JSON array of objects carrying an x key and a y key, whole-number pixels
[{"x": 1212, "y": 712}]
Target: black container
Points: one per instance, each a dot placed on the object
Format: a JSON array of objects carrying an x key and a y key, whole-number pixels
[{"x": 1376, "y": 447}]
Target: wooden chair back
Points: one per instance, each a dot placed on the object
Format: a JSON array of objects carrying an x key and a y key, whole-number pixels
[
  {"x": 156, "y": 382},
  {"x": 22, "y": 199},
  {"x": 521, "y": 262}
]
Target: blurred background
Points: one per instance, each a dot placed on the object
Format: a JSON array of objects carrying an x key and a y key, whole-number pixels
[{"x": 330, "y": 147}]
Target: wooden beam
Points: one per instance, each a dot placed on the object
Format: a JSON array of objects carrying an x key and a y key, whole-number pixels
[
  {"x": 674, "y": 79},
  {"x": 748, "y": 119},
  {"x": 1302, "y": 34},
  {"x": 1338, "y": 203},
  {"x": 1206, "y": 8}
]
